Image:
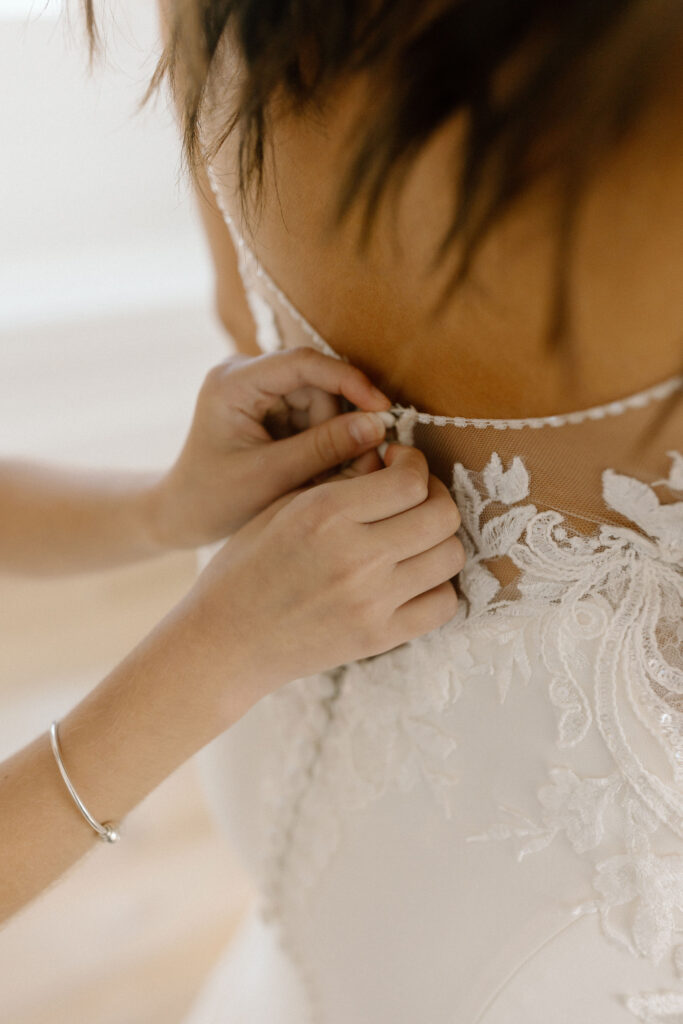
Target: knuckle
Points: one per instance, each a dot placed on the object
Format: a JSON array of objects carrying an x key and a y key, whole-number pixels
[
  {"x": 448, "y": 511},
  {"x": 227, "y": 366},
  {"x": 349, "y": 575},
  {"x": 317, "y": 507},
  {"x": 370, "y": 622},
  {"x": 221, "y": 376},
  {"x": 414, "y": 485},
  {"x": 417, "y": 461},
  {"x": 305, "y": 354},
  {"x": 214, "y": 378}
]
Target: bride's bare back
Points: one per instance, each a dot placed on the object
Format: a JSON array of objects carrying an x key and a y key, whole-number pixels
[{"x": 485, "y": 356}]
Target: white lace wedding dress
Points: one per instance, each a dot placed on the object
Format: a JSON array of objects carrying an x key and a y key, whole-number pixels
[{"x": 485, "y": 825}]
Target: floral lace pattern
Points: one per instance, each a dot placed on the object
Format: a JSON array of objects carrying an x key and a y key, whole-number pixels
[
  {"x": 347, "y": 736},
  {"x": 380, "y": 722},
  {"x": 625, "y": 589}
]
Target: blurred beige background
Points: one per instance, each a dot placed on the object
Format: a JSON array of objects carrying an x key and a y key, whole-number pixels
[{"x": 106, "y": 332}]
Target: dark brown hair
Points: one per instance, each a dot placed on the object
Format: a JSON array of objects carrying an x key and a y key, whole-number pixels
[{"x": 548, "y": 88}]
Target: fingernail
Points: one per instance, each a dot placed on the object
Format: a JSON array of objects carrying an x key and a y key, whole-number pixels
[{"x": 367, "y": 427}]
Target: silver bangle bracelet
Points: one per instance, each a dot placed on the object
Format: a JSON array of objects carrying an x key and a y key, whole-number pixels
[{"x": 107, "y": 831}]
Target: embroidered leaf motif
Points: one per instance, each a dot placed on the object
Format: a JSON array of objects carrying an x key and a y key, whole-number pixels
[
  {"x": 468, "y": 500},
  {"x": 640, "y": 504},
  {"x": 507, "y": 486},
  {"x": 479, "y": 586},
  {"x": 500, "y": 533},
  {"x": 675, "y": 477}
]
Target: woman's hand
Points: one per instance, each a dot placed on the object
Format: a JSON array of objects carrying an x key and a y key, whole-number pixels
[
  {"x": 56, "y": 520},
  {"x": 341, "y": 571},
  {"x": 231, "y": 468},
  {"x": 344, "y": 570}
]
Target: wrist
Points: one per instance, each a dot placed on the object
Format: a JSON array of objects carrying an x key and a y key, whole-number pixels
[
  {"x": 158, "y": 510},
  {"x": 156, "y": 709},
  {"x": 218, "y": 647}
]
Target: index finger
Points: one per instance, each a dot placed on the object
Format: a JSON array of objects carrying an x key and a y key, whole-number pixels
[{"x": 280, "y": 373}]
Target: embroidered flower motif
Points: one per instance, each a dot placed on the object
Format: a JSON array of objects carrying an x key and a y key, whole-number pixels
[
  {"x": 571, "y": 805},
  {"x": 577, "y": 806},
  {"x": 496, "y": 536},
  {"x": 586, "y": 811},
  {"x": 653, "y": 887},
  {"x": 623, "y": 589},
  {"x": 368, "y": 726}
]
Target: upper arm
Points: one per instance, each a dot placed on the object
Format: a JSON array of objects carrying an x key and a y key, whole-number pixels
[{"x": 231, "y": 300}]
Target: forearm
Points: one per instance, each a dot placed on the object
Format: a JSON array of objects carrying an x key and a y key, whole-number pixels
[
  {"x": 132, "y": 731},
  {"x": 59, "y": 520}
]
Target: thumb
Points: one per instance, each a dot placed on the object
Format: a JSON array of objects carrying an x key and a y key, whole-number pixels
[{"x": 296, "y": 459}]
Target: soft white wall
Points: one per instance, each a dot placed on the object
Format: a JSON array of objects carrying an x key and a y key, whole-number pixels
[
  {"x": 106, "y": 322},
  {"x": 94, "y": 212}
]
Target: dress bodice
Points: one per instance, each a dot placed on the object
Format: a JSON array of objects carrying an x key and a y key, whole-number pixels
[{"x": 462, "y": 828}]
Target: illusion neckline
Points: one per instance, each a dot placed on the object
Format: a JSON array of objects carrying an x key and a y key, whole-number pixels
[{"x": 638, "y": 399}]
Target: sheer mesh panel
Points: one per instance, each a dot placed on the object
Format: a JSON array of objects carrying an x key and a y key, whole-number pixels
[{"x": 567, "y": 511}]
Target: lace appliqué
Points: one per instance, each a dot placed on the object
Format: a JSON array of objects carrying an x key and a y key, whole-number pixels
[
  {"x": 348, "y": 735},
  {"x": 345, "y": 737},
  {"x": 359, "y": 730},
  {"x": 657, "y": 1007},
  {"x": 625, "y": 590}
]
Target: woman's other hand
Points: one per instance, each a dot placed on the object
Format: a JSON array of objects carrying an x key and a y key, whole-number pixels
[
  {"x": 231, "y": 468},
  {"x": 341, "y": 571}
]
